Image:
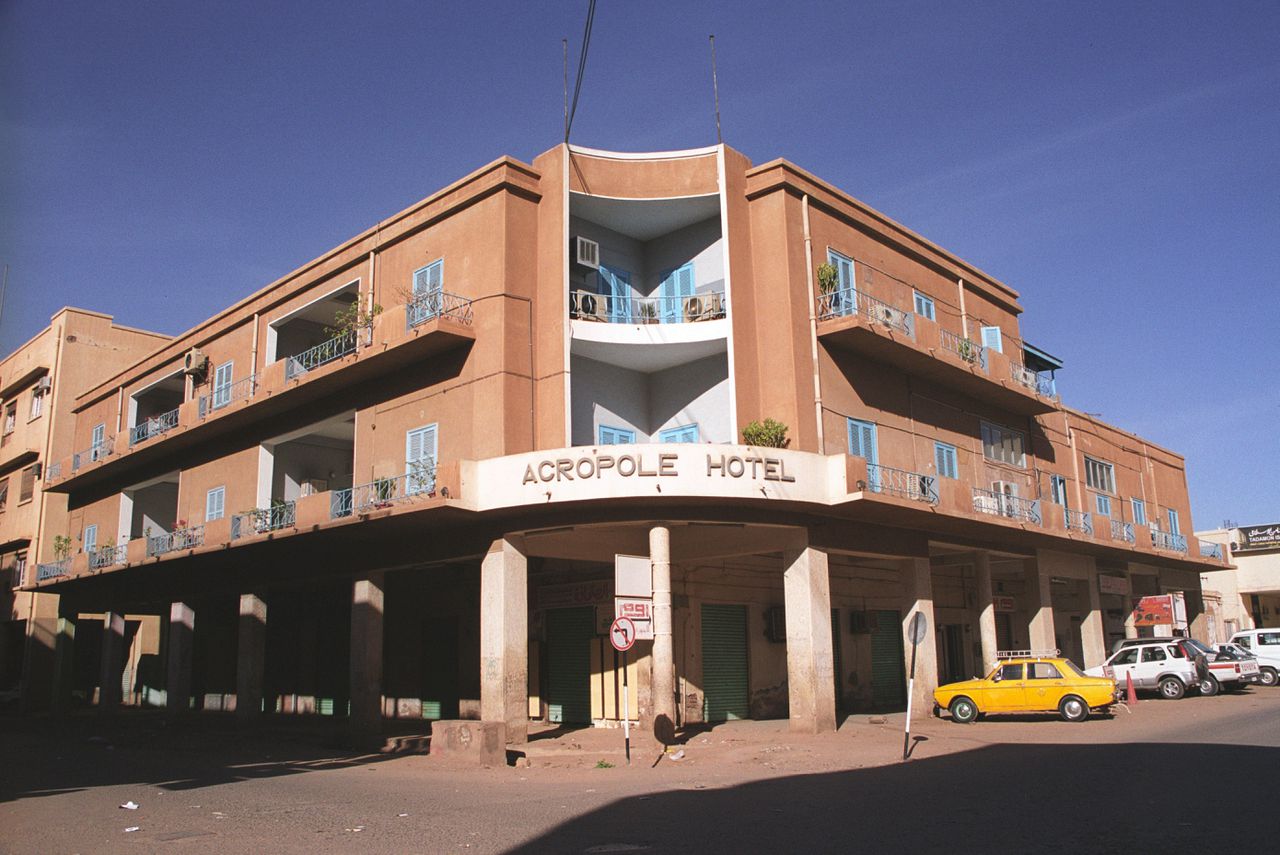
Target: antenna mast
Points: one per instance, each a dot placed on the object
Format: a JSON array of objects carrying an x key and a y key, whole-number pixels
[{"x": 715, "y": 88}]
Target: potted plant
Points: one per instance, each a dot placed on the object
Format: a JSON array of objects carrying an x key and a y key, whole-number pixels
[
  {"x": 766, "y": 434},
  {"x": 61, "y": 547},
  {"x": 352, "y": 319},
  {"x": 648, "y": 312},
  {"x": 828, "y": 278}
]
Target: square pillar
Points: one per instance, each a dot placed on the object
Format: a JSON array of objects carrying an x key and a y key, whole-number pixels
[
  {"x": 182, "y": 630},
  {"x": 811, "y": 690},
  {"x": 917, "y": 585},
  {"x": 1093, "y": 633},
  {"x": 251, "y": 654},
  {"x": 64, "y": 657},
  {"x": 39, "y": 653},
  {"x": 366, "y": 655},
  {"x": 1039, "y": 607},
  {"x": 986, "y": 609},
  {"x": 504, "y": 638},
  {"x": 109, "y": 689}
]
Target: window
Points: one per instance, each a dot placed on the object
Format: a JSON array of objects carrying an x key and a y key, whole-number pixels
[
  {"x": 1268, "y": 639},
  {"x": 1058, "y": 490},
  {"x": 615, "y": 286},
  {"x": 19, "y": 569},
  {"x": 1128, "y": 656},
  {"x": 420, "y": 460},
  {"x": 687, "y": 433},
  {"x": 4, "y": 493},
  {"x": 1244, "y": 642},
  {"x": 1139, "y": 511},
  {"x": 28, "y": 485},
  {"x": 1011, "y": 672},
  {"x": 616, "y": 436},
  {"x": 1102, "y": 503},
  {"x": 222, "y": 384},
  {"x": 1098, "y": 475},
  {"x": 1173, "y": 522},
  {"x": 215, "y": 504},
  {"x": 1175, "y": 652},
  {"x": 862, "y": 440},
  {"x": 1153, "y": 654},
  {"x": 1043, "y": 671},
  {"x": 10, "y": 416},
  {"x": 1003, "y": 445},
  {"x": 37, "y": 403},
  {"x": 89, "y": 539},
  {"x": 844, "y": 270},
  {"x": 924, "y": 306},
  {"x": 991, "y": 339},
  {"x": 676, "y": 288},
  {"x": 429, "y": 279},
  {"x": 944, "y": 458}
]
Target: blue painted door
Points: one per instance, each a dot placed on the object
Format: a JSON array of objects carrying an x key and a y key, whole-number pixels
[
  {"x": 615, "y": 286},
  {"x": 688, "y": 433},
  {"x": 616, "y": 436},
  {"x": 677, "y": 287}
]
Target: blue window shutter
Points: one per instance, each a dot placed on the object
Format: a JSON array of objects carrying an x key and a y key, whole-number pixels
[
  {"x": 944, "y": 458},
  {"x": 215, "y": 504},
  {"x": 90, "y": 538},
  {"x": 991, "y": 339},
  {"x": 844, "y": 269},
  {"x": 616, "y": 436},
  {"x": 420, "y": 459},
  {"x": 862, "y": 439},
  {"x": 1173, "y": 522},
  {"x": 688, "y": 433},
  {"x": 429, "y": 278}
]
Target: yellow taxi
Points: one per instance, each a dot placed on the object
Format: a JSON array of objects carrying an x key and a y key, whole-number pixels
[{"x": 1024, "y": 682}]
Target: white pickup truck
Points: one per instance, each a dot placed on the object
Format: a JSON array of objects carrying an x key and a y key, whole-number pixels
[{"x": 1227, "y": 670}]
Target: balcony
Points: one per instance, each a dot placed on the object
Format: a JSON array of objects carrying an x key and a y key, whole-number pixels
[
  {"x": 641, "y": 309},
  {"x": 263, "y": 520},
  {"x": 53, "y": 569},
  {"x": 321, "y": 354},
  {"x": 157, "y": 425},
  {"x": 175, "y": 541},
  {"x": 437, "y": 304},
  {"x": 108, "y": 556},
  {"x": 1038, "y": 382},
  {"x": 420, "y": 482},
  {"x": 98, "y": 451},
  {"x": 1003, "y": 505},
  {"x": 1077, "y": 521},
  {"x": 1123, "y": 531},
  {"x": 1210, "y": 550},
  {"x": 225, "y": 396},
  {"x": 1169, "y": 542},
  {"x": 901, "y": 483}
]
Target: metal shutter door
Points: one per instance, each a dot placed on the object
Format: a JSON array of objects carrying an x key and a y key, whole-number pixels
[
  {"x": 836, "y": 659},
  {"x": 887, "y": 668},
  {"x": 724, "y": 662},
  {"x": 569, "y": 632}
]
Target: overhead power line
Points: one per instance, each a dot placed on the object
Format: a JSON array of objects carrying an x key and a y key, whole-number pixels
[{"x": 582, "y": 66}]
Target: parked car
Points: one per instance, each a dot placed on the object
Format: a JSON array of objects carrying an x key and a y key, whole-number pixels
[
  {"x": 1199, "y": 655},
  {"x": 1265, "y": 645},
  {"x": 1245, "y": 663},
  {"x": 1020, "y": 684},
  {"x": 1161, "y": 666}
]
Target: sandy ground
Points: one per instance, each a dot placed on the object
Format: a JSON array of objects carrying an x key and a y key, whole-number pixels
[{"x": 1127, "y": 783}]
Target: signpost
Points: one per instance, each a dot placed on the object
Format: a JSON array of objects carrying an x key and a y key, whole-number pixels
[
  {"x": 916, "y": 629},
  {"x": 622, "y": 634}
]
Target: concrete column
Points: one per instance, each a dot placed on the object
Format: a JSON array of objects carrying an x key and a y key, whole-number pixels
[
  {"x": 39, "y": 652},
  {"x": 109, "y": 690},
  {"x": 366, "y": 655},
  {"x": 1039, "y": 607},
  {"x": 504, "y": 638},
  {"x": 1093, "y": 633},
  {"x": 986, "y": 611},
  {"x": 1130, "y": 602},
  {"x": 251, "y": 656},
  {"x": 182, "y": 630},
  {"x": 664, "y": 664},
  {"x": 64, "y": 657},
  {"x": 810, "y": 676},
  {"x": 917, "y": 585}
]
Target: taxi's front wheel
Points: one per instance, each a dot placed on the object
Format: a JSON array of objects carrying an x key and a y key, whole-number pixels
[
  {"x": 1073, "y": 709},
  {"x": 963, "y": 710}
]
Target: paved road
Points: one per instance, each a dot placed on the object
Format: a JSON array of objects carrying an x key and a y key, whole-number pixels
[{"x": 1122, "y": 784}]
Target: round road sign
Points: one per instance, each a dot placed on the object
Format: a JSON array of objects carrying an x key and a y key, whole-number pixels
[
  {"x": 622, "y": 633},
  {"x": 917, "y": 627}
]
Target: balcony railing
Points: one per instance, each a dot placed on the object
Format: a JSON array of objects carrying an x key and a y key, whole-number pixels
[
  {"x": 1039, "y": 383},
  {"x": 53, "y": 570},
  {"x": 1210, "y": 550},
  {"x": 967, "y": 349},
  {"x": 384, "y": 492},
  {"x": 229, "y": 394},
  {"x": 1165, "y": 540},
  {"x": 1004, "y": 505},
  {"x": 183, "y": 538},
  {"x": 323, "y": 353},
  {"x": 656, "y": 309},
  {"x": 1079, "y": 521},
  {"x": 1122, "y": 531},
  {"x": 263, "y": 520},
  {"x": 92, "y": 454},
  {"x": 437, "y": 304},
  {"x": 53, "y": 472},
  {"x": 154, "y": 426},
  {"x": 107, "y": 556},
  {"x": 847, "y": 301},
  {"x": 899, "y": 482}
]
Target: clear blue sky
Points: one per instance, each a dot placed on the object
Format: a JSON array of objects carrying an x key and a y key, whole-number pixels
[{"x": 1116, "y": 162}]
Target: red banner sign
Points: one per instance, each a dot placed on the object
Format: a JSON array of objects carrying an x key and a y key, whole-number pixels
[{"x": 1153, "y": 611}]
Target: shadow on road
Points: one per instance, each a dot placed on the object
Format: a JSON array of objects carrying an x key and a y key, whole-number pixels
[{"x": 1007, "y": 798}]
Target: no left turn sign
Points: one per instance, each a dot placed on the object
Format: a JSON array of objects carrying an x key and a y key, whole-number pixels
[{"x": 622, "y": 633}]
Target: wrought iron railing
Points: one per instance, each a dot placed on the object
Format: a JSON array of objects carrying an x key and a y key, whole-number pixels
[
  {"x": 967, "y": 349},
  {"x": 221, "y": 396},
  {"x": 848, "y": 301},
  {"x": 53, "y": 472},
  {"x": 262, "y": 520},
  {"x": 1080, "y": 521},
  {"x": 94, "y": 453},
  {"x": 107, "y": 556},
  {"x": 384, "y": 492},
  {"x": 1210, "y": 550},
  {"x": 437, "y": 304},
  {"x": 654, "y": 309},
  {"x": 900, "y": 482},
  {"x": 53, "y": 569},
  {"x": 154, "y": 426},
  {"x": 183, "y": 538},
  {"x": 1004, "y": 505},
  {"x": 1165, "y": 540},
  {"x": 323, "y": 353},
  {"x": 1039, "y": 383},
  {"x": 1122, "y": 531}
]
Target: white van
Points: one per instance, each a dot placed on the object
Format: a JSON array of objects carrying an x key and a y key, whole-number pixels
[{"x": 1264, "y": 644}]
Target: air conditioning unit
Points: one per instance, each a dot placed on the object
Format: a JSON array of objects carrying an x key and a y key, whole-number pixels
[
  {"x": 195, "y": 363},
  {"x": 44, "y": 384},
  {"x": 587, "y": 252}
]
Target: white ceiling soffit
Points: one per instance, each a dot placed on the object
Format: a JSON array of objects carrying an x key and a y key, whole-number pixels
[{"x": 644, "y": 219}]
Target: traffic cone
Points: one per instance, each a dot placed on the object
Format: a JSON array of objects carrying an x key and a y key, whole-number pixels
[{"x": 1129, "y": 690}]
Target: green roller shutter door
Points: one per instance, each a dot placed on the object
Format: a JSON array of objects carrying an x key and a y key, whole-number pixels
[
  {"x": 724, "y": 662},
  {"x": 888, "y": 690},
  {"x": 836, "y": 663},
  {"x": 569, "y": 632}
]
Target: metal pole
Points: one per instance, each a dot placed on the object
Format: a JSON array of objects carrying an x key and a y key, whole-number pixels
[
  {"x": 564, "y": 44},
  {"x": 911, "y": 692},
  {"x": 626, "y": 710},
  {"x": 715, "y": 87}
]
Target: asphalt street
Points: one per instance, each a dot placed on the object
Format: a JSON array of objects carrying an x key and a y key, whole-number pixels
[{"x": 1195, "y": 775}]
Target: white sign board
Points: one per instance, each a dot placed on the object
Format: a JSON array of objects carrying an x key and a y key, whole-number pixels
[
  {"x": 632, "y": 576},
  {"x": 638, "y": 610}
]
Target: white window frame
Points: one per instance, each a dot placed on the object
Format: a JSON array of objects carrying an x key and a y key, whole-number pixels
[
  {"x": 993, "y": 339},
  {"x": 1099, "y": 475},
  {"x": 924, "y": 306},
  {"x": 37, "y": 404},
  {"x": 416, "y": 481},
  {"x": 210, "y": 512},
  {"x": 89, "y": 539},
  {"x": 1139, "y": 509},
  {"x": 994, "y": 436}
]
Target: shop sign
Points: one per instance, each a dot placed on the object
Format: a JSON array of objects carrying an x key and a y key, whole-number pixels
[
  {"x": 1004, "y": 603},
  {"x": 575, "y": 594},
  {"x": 1154, "y": 611},
  {"x": 641, "y": 464},
  {"x": 638, "y": 610},
  {"x": 1117, "y": 585},
  {"x": 1259, "y": 537}
]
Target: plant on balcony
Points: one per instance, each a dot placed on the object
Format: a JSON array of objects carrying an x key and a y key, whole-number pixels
[
  {"x": 966, "y": 350},
  {"x": 766, "y": 434},
  {"x": 61, "y": 547},
  {"x": 352, "y": 319},
  {"x": 828, "y": 278},
  {"x": 648, "y": 313}
]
